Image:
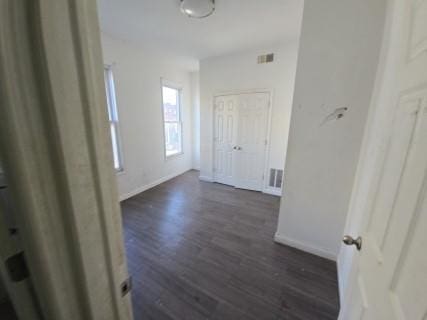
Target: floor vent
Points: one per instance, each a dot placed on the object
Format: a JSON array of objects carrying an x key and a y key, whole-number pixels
[
  {"x": 266, "y": 58},
  {"x": 276, "y": 178}
]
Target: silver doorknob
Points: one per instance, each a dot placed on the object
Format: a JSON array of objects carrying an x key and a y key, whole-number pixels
[
  {"x": 237, "y": 148},
  {"x": 348, "y": 240}
]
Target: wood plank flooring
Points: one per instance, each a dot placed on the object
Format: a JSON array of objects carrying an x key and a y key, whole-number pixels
[{"x": 199, "y": 250}]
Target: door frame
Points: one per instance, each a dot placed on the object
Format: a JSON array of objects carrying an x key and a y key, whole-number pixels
[
  {"x": 270, "y": 93},
  {"x": 56, "y": 153}
]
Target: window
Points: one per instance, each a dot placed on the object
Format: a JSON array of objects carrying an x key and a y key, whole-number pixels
[
  {"x": 172, "y": 119},
  {"x": 113, "y": 117}
]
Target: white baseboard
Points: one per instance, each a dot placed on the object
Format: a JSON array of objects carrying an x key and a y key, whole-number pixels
[
  {"x": 305, "y": 247},
  {"x": 150, "y": 185},
  {"x": 206, "y": 178},
  {"x": 274, "y": 192}
]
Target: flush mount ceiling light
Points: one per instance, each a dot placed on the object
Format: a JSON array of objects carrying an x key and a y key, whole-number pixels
[{"x": 198, "y": 8}]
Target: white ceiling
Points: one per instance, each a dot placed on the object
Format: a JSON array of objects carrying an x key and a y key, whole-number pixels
[{"x": 236, "y": 25}]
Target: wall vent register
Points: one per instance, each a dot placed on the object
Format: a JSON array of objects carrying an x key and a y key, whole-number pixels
[
  {"x": 276, "y": 178},
  {"x": 266, "y": 58}
]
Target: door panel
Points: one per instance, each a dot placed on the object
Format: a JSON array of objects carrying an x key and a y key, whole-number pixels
[
  {"x": 409, "y": 281},
  {"x": 392, "y": 174},
  {"x": 224, "y": 138},
  {"x": 388, "y": 238},
  {"x": 391, "y": 270},
  {"x": 402, "y": 143},
  {"x": 251, "y": 141},
  {"x": 358, "y": 306}
]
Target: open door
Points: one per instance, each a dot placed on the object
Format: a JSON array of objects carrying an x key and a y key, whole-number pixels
[{"x": 387, "y": 278}]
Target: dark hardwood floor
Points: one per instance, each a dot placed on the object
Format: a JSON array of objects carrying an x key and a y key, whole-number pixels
[{"x": 199, "y": 250}]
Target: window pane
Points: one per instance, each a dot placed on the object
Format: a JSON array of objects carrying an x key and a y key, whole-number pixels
[
  {"x": 113, "y": 118},
  {"x": 172, "y": 138},
  {"x": 107, "y": 76},
  {"x": 170, "y": 104},
  {"x": 114, "y": 142}
]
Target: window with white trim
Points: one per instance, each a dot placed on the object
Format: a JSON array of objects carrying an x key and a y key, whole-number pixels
[
  {"x": 171, "y": 105},
  {"x": 113, "y": 117}
]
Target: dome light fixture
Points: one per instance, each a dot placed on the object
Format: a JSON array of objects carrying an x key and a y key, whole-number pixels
[{"x": 198, "y": 8}]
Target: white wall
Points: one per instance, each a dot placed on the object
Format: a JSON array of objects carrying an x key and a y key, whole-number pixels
[
  {"x": 195, "y": 98},
  {"x": 137, "y": 75},
  {"x": 338, "y": 56},
  {"x": 241, "y": 72}
]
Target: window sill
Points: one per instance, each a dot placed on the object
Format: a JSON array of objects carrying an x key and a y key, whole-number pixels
[{"x": 173, "y": 156}]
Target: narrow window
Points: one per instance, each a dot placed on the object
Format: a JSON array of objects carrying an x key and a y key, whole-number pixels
[
  {"x": 113, "y": 117},
  {"x": 171, "y": 96}
]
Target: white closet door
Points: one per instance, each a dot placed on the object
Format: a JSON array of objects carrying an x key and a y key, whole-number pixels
[
  {"x": 249, "y": 152},
  {"x": 225, "y": 129}
]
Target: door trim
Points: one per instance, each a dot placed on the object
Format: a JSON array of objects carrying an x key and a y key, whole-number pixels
[
  {"x": 270, "y": 93},
  {"x": 56, "y": 153}
]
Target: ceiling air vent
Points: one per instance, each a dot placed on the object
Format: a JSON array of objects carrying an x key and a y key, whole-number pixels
[{"x": 266, "y": 58}]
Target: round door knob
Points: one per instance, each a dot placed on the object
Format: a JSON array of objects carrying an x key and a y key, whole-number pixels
[{"x": 348, "y": 240}]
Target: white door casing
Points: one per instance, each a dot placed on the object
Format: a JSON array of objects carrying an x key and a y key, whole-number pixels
[
  {"x": 240, "y": 139},
  {"x": 249, "y": 157},
  {"x": 56, "y": 150},
  {"x": 387, "y": 280}
]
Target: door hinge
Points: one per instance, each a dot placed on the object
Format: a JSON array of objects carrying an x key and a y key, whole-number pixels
[
  {"x": 263, "y": 176},
  {"x": 17, "y": 267}
]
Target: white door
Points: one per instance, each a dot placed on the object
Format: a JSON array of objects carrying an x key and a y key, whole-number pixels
[
  {"x": 225, "y": 130},
  {"x": 240, "y": 132},
  {"x": 387, "y": 278},
  {"x": 249, "y": 153}
]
